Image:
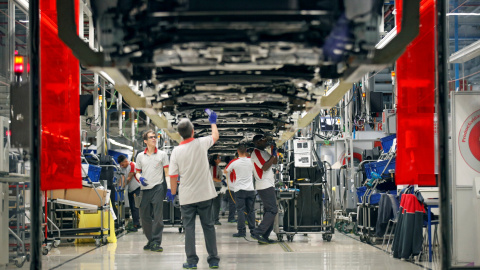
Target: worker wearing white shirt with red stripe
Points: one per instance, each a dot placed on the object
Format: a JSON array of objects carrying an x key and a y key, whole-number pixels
[
  {"x": 265, "y": 186},
  {"x": 244, "y": 191},
  {"x": 150, "y": 163},
  {"x": 189, "y": 162}
]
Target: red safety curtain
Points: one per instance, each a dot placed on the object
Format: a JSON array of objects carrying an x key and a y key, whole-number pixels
[
  {"x": 416, "y": 99},
  {"x": 60, "y": 110}
]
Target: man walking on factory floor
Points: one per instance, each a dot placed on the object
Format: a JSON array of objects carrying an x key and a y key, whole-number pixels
[
  {"x": 265, "y": 184},
  {"x": 244, "y": 191},
  {"x": 189, "y": 161},
  {"x": 133, "y": 187},
  {"x": 150, "y": 164}
]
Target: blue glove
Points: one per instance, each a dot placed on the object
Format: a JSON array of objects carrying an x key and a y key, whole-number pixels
[
  {"x": 274, "y": 151},
  {"x": 224, "y": 183},
  {"x": 212, "y": 116},
  {"x": 170, "y": 196},
  {"x": 143, "y": 181}
]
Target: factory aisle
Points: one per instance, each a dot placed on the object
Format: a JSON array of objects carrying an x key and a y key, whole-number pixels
[{"x": 305, "y": 252}]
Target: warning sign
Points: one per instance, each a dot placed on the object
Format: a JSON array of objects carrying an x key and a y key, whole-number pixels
[{"x": 469, "y": 140}]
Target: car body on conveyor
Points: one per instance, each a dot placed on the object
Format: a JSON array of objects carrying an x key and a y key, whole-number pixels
[{"x": 258, "y": 64}]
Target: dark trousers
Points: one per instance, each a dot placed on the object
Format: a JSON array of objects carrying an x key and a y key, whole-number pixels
[
  {"x": 133, "y": 207},
  {"x": 270, "y": 210},
  {"x": 204, "y": 211},
  {"x": 245, "y": 201},
  {"x": 230, "y": 196},
  {"x": 151, "y": 213},
  {"x": 216, "y": 208}
]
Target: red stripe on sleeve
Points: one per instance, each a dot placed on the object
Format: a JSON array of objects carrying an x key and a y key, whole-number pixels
[
  {"x": 166, "y": 166},
  {"x": 176, "y": 175}
]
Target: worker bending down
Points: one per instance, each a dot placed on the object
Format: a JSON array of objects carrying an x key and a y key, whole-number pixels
[
  {"x": 264, "y": 182},
  {"x": 189, "y": 162},
  {"x": 133, "y": 184},
  {"x": 244, "y": 191},
  {"x": 151, "y": 163},
  {"x": 216, "y": 173}
]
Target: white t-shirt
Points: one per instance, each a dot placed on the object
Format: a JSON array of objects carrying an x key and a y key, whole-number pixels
[
  {"x": 134, "y": 183},
  {"x": 189, "y": 160},
  {"x": 263, "y": 179},
  {"x": 152, "y": 167},
  {"x": 231, "y": 179},
  {"x": 243, "y": 168}
]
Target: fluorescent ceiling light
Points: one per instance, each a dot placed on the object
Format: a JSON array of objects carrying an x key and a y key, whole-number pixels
[
  {"x": 463, "y": 14},
  {"x": 465, "y": 54},
  {"x": 388, "y": 37}
]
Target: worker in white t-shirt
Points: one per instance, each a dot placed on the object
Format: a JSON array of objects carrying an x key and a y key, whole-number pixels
[
  {"x": 265, "y": 184},
  {"x": 189, "y": 161},
  {"x": 152, "y": 163},
  {"x": 244, "y": 191}
]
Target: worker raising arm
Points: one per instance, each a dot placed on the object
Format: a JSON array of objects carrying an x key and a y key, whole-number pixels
[{"x": 189, "y": 161}]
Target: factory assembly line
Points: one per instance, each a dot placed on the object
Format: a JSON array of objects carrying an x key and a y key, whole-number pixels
[{"x": 304, "y": 134}]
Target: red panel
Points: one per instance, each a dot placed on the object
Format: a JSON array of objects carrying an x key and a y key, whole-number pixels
[
  {"x": 416, "y": 99},
  {"x": 60, "y": 110}
]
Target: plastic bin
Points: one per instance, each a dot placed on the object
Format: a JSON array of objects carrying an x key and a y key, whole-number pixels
[
  {"x": 94, "y": 172},
  {"x": 378, "y": 167},
  {"x": 375, "y": 197},
  {"x": 387, "y": 142}
]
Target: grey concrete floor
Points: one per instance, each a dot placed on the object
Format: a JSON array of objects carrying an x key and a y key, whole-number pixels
[{"x": 305, "y": 252}]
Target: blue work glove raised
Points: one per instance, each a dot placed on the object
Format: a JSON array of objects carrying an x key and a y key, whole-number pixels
[
  {"x": 224, "y": 183},
  {"x": 212, "y": 116},
  {"x": 274, "y": 151},
  {"x": 143, "y": 181},
  {"x": 170, "y": 196}
]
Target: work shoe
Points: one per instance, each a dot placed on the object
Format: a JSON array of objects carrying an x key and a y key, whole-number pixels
[
  {"x": 232, "y": 221},
  {"x": 262, "y": 240},
  {"x": 189, "y": 266},
  {"x": 270, "y": 241},
  {"x": 238, "y": 235},
  {"x": 218, "y": 223},
  {"x": 148, "y": 246},
  {"x": 156, "y": 248},
  {"x": 254, "y": 236},
  {"x": 132, "y": 229},
  {"x": 213, "y": 265}
]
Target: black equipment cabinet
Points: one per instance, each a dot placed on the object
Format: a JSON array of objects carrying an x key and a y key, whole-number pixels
[{"x": 305, "y": 214}]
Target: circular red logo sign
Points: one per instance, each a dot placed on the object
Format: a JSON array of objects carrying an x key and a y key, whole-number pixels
[{"x": 469, "y": 141}]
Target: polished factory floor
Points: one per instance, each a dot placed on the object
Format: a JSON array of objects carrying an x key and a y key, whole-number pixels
[{"x": 305, "y": 252}]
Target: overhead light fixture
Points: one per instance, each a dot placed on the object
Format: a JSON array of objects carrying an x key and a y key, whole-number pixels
[
  {"x": 463, "y": 14},
  {"x": 465, "y": 54},
  {"x": 388, "y": 37}
]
